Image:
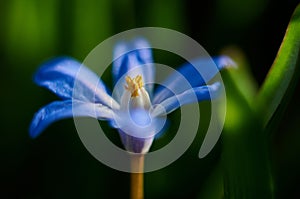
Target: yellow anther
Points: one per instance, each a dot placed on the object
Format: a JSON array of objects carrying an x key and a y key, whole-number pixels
[{"x": 134, "y": 84}]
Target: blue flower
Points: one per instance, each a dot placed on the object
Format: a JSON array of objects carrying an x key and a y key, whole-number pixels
[{"x": 134, "y": 108}]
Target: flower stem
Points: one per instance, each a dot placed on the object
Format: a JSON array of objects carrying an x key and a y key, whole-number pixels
[{"x": 137, "y": 176}]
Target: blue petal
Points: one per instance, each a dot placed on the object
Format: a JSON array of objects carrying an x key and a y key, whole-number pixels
[
  {"x": 135, "y": 144},
  {"x": 145, "y": 56},
  {"x": 133, "y": 59},
  {"x": 66, "y": 109},
  {"x": 59, "y": 75},
  {"x": 137, "y": 129},
  {"x": 189, "y": 96},
  {"x": 195, "y": 73},
  {"x": 138, "y": 122}
]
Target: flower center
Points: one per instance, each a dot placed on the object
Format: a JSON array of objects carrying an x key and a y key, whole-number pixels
[{"x": 134, "y": 84}]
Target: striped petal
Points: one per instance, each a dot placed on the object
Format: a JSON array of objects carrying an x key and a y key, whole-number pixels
[
  {"x": 68, "y": 78},
  {"x": 59, "y": 110},
  {"x": 192, "y": 74},
  {"x": 189, "y": 96},
  {"x": 132, "y": 59}
]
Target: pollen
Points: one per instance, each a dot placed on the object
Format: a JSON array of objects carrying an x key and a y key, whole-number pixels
[{"x": 134, "y": 84}]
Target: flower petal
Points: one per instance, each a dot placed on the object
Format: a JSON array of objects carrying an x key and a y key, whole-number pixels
[
  {"x": 135, "y": 144},
  {"x": 145, "y": 56},
  {"x": 138, "y": 122},
  {"x": 59, "y": 75},
  {"x": 197, "y": 72},
  {"x": 189, "y": 96},
  {"x": 133, "y": 59},
  {"x": 137, "y": 128},
  {"x": 66, "y": 109}
]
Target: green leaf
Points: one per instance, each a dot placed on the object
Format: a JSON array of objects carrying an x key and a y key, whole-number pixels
[
  {"x": 242, "y": 76},
  {"x": 277, "y": 85},
  {"x": 245, "y": 155}
]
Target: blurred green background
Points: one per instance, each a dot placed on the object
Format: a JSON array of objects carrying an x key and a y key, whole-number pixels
[{"x": 56, "y": 164}]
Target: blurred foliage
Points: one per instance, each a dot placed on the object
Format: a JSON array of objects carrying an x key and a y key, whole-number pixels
[{"x": 56, "y": 165}]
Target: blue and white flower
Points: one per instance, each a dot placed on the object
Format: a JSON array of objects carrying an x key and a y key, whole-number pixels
[{"x": 134, "y": 108}]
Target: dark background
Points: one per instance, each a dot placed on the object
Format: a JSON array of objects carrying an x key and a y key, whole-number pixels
[{"x": 56, "y": 164}]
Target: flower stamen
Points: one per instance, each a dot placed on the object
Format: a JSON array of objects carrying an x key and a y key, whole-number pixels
[{"x": 134, "y": 84}]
